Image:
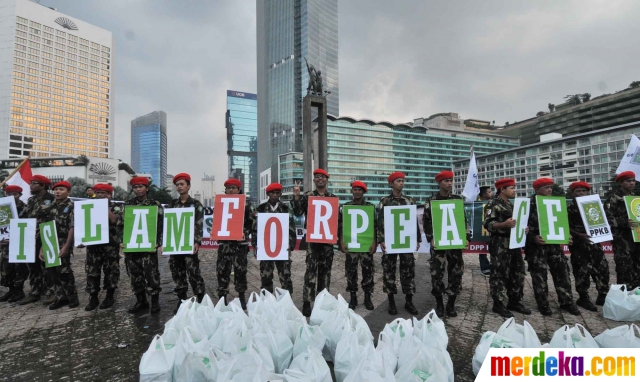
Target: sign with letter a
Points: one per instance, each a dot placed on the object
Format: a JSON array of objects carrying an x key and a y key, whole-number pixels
[
  {"x": 400, "y": 229},
  {"x": 358, "y": 228},
  {"x": 179, "y": 226},
  {"x": 91, "y": 222},
  {"x": 228, "y": 219},
  {"x": 322, "y": 220},
  {"x": 50, "y": 247},
  {"x": 449, "y": 230},
  {"x": 594, "y": 219},
  {"x": 22, "y": 244},
  {"x": 140, "y": 228},
  {"x": 273, "y": 237},
  {"x": 518, "y": 238},
  {"x": 553, "y": 220}
]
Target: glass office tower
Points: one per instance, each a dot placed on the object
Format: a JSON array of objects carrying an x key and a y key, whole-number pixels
[
  {"x": 149, "y": 146},
  {"x": 242, "y": 140}
]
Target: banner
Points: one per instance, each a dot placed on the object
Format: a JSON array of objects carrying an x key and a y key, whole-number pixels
[
  {"x": 228, "y": 221},
  {"x": 631, "y": 159},
  {"x": 140, "y": 228},
  {"x": 358, "y": 228},
  {"x": 206, "y": 226},
  {"x": 178, "y": 231},
  {"x": 50, "y": 247},
  {"x": 322, "y": 220},
  {"x": 633, "y": 210},
  {"x": 400, "y": 227},
  {"x": 553, "y": 221},
  {"x": 273, "y": 237},
  {"x": 594, "y": 218},
  {"x": 22, "y": 246},
  {"x": 518, "y": 236},
  {"x": 91, "y": 221},
  {"x": 449, "y": 230},
  {"x": 8, "y": 211},
  {"x": 471, "y": 187}
]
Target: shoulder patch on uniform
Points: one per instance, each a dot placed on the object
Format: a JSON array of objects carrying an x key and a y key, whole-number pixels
[
  {"x": 487, "y": 212},
  {"x": 200, "y": 209},
  {"x": 47, "y": 202},
  {"x": 66, "y": 209}
]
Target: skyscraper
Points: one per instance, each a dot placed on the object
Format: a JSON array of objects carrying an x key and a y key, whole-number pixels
[
  {"x": 242, "y": 140},
  {"x": 288, "y": 31},
  {"x": 149, "y": 146},
  {"x": 56, "y": 89}
]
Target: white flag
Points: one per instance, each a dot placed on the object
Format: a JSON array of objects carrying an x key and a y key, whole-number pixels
[
  {"x": 631, "y": 159},
  {"x": 471, "y": 188}
]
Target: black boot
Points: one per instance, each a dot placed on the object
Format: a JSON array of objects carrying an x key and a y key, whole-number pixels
[
  {"x": 181, "y": 296},
  {"x": 354, "y": 300},
  {"x": 18, "y": 294},
  {"x": 141, "y": 303},
  {"x": 93, "y": 302},
  {"x": 586, "y": 303},
  {"x": 29, "y": 299},
  {"x": 571, "y": 309},
  {"x": 601, "y": 298},
  {"x": 439, "y": 306},
  {"x": 59, "y": 303},
  {"x": 109, "y": 300},
  {"x": 243, "y": 301},
  {"x": 367, "y": 301},
  {"x": 199, "y": 297},
  {"x": 74, "y": 302},
  {"x": 392, "y": 305},
  {"x": 306, "y": 309},
  {"x": 451, "y": 307},
  {"x": 5, "y": 297},
  {"x": 155, "y": 303},
  {"x": 408, "y": 305},
  {"x": 545, "y": 310},
  {"x": 518, "y": 307},
  {"x": 498, "y": 307}
]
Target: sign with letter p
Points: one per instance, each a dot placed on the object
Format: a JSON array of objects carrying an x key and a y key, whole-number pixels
[{"x": 358, "y": 228}]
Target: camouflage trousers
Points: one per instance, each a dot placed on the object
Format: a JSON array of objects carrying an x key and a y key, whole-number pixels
[
  {"x": 543, "y": 259},
  {"x": 407, "y": 273},
  {"x": 319, "y": 262},
  {"x": 183, "y": 266},
  {"x": 142, "y": 268},
  {"x": 64, "y": 283},
  {"x": 588, "y": 261},
  {"x": 39, "y": 279},
  {"x": 351, "y": 261},
  {"x": 231, "y": 255},
  {"x": 452, "y": 262},
  {"x": 12, "y": 274},
  {"x": 626, "y": 255},
  {"x": 284, "y": 274},
  {"x": 507, "y": 271},
  {"x": 102, "y": 258}
]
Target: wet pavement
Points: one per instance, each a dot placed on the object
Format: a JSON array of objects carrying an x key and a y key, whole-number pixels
[{"x": 37, "y": 344}]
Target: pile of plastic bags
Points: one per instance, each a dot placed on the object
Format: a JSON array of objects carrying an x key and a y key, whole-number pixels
[{"x": 621, "y": 304}]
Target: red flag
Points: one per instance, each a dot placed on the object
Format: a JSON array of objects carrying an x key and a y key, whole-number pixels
[{"x": 22, "y": 178}]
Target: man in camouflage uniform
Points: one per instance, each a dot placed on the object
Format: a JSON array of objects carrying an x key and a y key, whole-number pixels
[
  {"x": 12, "y": 275},
  {"x": 104, "y": 257},
  {"x": 234, "y": 253},
  {"x": 587, "y": 258},
  {"x": 61, "y": 212},
  {"x": 358, "y": 189},
  {"x": 626, "y": 252},
  {"x": 142, "y": 267},
  {"x": 319, "y": 256},
  {"x": 485, "y": 265},
  {"x": 275, "y": 206},
  {"x": 39, "y": 280},
  {"x": 442, "y": 261},
  {"x": 507, "y": 265},
  {"x": 187, "y": 265},
  {"x": 544, "y": 258}
]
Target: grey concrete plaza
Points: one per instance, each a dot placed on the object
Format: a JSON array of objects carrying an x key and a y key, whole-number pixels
[{"x": 37, "y": 344}]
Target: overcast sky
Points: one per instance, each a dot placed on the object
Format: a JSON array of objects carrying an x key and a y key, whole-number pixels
[{"x": 399, "y": 60}]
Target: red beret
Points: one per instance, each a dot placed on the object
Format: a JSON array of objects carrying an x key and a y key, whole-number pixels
[
  {"x": 575, "y": 185},
  {"x": 274, "y": 187},
  {"x": 359, "y": 183},
  {"x": 320, "y": 171},
  {"x": 233, "y": 182},
  {"x": 103, "y": 187},
  {"x": 625, "y": 175},
  {"x": 63, "y": 183},
  {"x": 446, "y": 174},
  {"x": 41, "y": 179},
  {"x": 394, "y": 176},
  {"x": 181, "y": 176},
  {"x": 139, "y": 180},
  {"x": 13, "y": 188},
  {"x": 541, "y": 182},
  {"x": 506, "y": 182}
]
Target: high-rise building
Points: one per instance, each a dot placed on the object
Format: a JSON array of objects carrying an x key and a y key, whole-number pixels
[
  {"x": 56, "y": 87},
  {"x": 288, "y": 31},
  {"x": 149, "y": 146},
  {"x": 242, "y": 140}
]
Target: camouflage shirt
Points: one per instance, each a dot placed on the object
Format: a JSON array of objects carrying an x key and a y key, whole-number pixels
[
  {"x": 498, "y": 210},
  {"x": 352, "y": 203},
  {"x": 147, "y": 202},
  {"x": 300, "y": 206},
  {"x": 32, "y": 210},
  {"x": 617, "y": 215},
  {"x": 61, "y": 212},
  {"x": 20, "y": 206},
  {"x": 117, "y": 209},
  {"x": 280, "y": 208},
  {"x": 427, "y": 218},
  {"x": 198, "y": 217},
  {"x": 575, "y": 219},
  {"x": 391, "y": 200},
  {"x": 533, "y": 224}
]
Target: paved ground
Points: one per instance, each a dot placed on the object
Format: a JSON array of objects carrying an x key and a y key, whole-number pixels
[{"x": 73, "y": 345}]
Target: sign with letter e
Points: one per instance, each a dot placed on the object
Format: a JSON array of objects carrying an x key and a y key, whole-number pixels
[
  {"x": 553, "y": 220},
  {"x": 400, "y": 229},
  {"x": 228, "y": 219}
]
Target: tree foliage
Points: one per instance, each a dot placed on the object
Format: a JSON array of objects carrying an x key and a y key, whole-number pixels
[
  {"x": 78, "y": 187},
  {"x": 557, "y": 190},
  {"x": 163, "y": 195},
  {"x": 120, "y": 194}
]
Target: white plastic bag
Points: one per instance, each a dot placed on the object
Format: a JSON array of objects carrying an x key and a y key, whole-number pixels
[
  {"x": 396, "y": 331},
  {"x": 190, "y": 341},
  {"x": 386, "y": 353},
  {"x": 198, "y": 368},
  {"x": 621, "y": 304},
  {"x": 155, "y": 365},
  {"x": 411, "y": 345},
  {"x": 311, "y": 364},
  {"x": 487, "y": 341},
  {"x": 333, "y": 328},
  {"x": 421, "y": 367},
  {"x": 523, "y": 335},
  {"x": 275, "y": 338},
  {"x": 621, "y": 337},
  {"x": 370, "y": 368},
  {"x": 324, "y": 304},
  {"x": 431, "y": 331},
  {"x": 572, "y": 337},
  {"x": 307, "y": 336},
  {"x": 231, "y": 336},
  {"x": 349, "y": 350}
]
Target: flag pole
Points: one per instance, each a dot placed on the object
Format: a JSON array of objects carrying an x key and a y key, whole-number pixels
[{"x": 14, "y": 171}]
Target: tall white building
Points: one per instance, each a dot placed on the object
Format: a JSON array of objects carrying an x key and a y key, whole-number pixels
[{"x": 56, "y": 87}]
